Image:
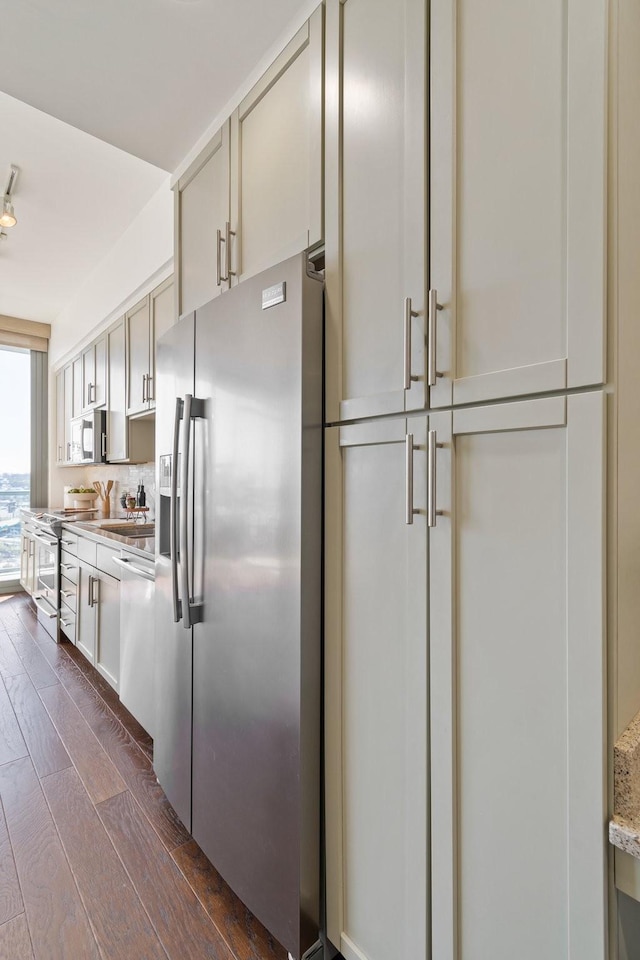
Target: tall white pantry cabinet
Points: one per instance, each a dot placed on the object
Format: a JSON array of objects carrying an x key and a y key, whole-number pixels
[{"x": 482, "y": 579}]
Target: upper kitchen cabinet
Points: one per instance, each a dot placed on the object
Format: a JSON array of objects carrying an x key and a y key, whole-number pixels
[
  {"x": 276, "y": 160},
  {"x": 77, "y": 405},
  {"x": 128, "y": 441},
  {"x": 94, "y": 375},
  {"x": 517, "y": 197},
  {"x": 202, "y": 227},
  {"x": 138, "y": 334},
  {"x": 60, "y": 418},
  {"x": 375, "y": 182},
  {"x": 162, "y": 316},
  {"x": 145, "y": 323}
]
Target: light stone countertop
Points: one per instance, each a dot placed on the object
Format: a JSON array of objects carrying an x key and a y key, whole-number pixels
[
  {"x": 143, "y": 546},
  {"x": 624, "y": 828}
]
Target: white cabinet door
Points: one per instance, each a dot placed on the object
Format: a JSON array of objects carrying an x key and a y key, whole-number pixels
[
  {"x": 117, "y": 433},
  {"x": 376, "y": 691},
  {"x": 76, "y": 369},
  {"x": 68, "y": 410},
  {"x": 163, "y": 316},
  {"x": 517, "y": 196},
  {"x": 517, "y": 668},
  {"x": 107, "y": 645},
  {"x": 88, "y": 377},
  {"x": 99, "y": 390},
  {"x": 375, "y": 184},
  {"x": 60, "y": 418},
  {"x": 276, "y": 159},
  {"x": 201, "y": 218},
  {"x": 86, "y": 611},
  {"x": 138, "y": 334}
]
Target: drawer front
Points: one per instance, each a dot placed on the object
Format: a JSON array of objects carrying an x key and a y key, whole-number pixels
[
  {"x": 69, "y": 566},
  {"x": 87, "y": 550},
  {"x": 68, "y": 592},
  {"x": 104, "y": 560},
  {"x": 68, "y": 622},
  {"x": 69, "y": 542}
]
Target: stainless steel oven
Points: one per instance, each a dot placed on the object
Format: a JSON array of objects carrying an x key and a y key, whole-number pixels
[{"x": 46, "y": 595}]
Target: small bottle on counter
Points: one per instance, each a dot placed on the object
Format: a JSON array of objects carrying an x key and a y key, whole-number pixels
[{"x": 142, "y": 497}]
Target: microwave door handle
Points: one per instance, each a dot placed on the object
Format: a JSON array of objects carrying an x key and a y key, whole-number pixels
[{"x": 173, "y": 512}]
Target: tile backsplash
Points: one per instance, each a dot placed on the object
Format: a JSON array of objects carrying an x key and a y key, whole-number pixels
[{"x": 126, "y": 479}]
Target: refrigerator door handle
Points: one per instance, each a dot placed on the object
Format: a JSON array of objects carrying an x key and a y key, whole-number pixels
[
  {"x": 173, "y": 512},
  {"x": 191, "y": 612}
]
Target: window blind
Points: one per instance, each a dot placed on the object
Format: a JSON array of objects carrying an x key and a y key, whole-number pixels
[{"x": 15, "y": 332}]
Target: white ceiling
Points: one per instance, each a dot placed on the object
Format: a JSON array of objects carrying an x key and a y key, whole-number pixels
[
  {"x": 74, "y": 198},
  {"x": 98, "y": 101},
  {"x": 145, "y": 75}
]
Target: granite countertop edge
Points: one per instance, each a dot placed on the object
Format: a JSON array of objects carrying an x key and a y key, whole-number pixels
[
  {"x": 141, "y": 546},
  {"x": 625, "y": 836}
]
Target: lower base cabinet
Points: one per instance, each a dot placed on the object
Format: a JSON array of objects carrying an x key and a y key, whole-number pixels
[
  {"x": 465, "y": 677},
  {"x": 98, "y": 621}
]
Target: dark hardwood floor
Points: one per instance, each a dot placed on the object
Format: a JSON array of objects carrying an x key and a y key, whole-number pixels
[{"x": 94, "y": 863}]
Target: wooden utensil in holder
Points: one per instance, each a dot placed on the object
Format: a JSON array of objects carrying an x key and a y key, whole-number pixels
[{"x": 103, "y": 490}]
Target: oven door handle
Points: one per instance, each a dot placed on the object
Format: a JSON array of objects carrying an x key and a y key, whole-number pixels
[
  {"x": 43, "y": 609},
  {"x": 44, "y": 540}
]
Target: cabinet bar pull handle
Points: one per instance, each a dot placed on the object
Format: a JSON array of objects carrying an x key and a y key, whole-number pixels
[
  {"x": 434, "y": 306},
  {"x": 432, "y": 447},
  {"x": 90, "y": 592},
  {"x": 408, "y": 448},
  {"x": 227, "y": 243},
  {"x": 95, "y": 591},
  {"x": 219, "y": 242},
  {"x": 408, "y": 314},
  {"x": 150, "y": 395}
]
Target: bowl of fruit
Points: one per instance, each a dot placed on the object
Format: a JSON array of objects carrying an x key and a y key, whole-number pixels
[{"x": 82, "y": 497}]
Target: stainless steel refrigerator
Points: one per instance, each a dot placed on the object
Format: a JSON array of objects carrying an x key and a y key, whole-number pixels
[{"x": 238, "y": 589}]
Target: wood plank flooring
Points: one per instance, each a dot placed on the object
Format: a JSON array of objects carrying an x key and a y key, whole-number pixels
[{"x": 94, "y": 863}]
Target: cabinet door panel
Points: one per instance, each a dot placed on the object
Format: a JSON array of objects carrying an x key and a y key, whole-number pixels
[
  {"x": 117, "y": 433},
  {"x": 202, "y": 208},
  {"x": 78, "y": 396},
  {"x": 108, "y": 629},
  {"x": 60, "y": 431},
  {"x": 163, "y": 316},
  {"x": 276, "y": 158},
  {"x": 375, "y": 185},
  {"x": 518, "y": 231},
  {"x": 88, "y": 377},
  {"x": 138, "y": 328},
  {"x": 516, "y": 672},
  {"x": 99, "y": 393},
  {"x": 376, "y": 687},
  {"x": 86, "y": 612},
  {"x": 68, "y": 409}
]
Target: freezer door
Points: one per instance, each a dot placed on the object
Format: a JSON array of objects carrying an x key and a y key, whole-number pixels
[
  {"x": 174, "y": 644},
  {"x": 256, "y": 706}
]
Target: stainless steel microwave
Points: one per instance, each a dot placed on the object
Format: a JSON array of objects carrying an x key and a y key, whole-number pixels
[{"x": 89, "y": 438}]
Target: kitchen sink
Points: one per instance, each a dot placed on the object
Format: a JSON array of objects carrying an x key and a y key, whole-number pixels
[{"x": 133, "y": 530}]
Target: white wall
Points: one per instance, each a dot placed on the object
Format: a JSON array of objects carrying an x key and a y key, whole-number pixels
[{"x": 140, "y": 259}]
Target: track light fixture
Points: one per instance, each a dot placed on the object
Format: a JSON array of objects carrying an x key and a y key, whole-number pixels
[{"x": 8, "y": 217}]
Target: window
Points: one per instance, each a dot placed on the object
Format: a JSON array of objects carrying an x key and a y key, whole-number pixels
[{"x": 15, "y": 453}]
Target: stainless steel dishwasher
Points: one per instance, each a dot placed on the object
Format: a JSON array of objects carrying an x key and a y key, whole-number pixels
[{"x": 137, "y": 649}]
